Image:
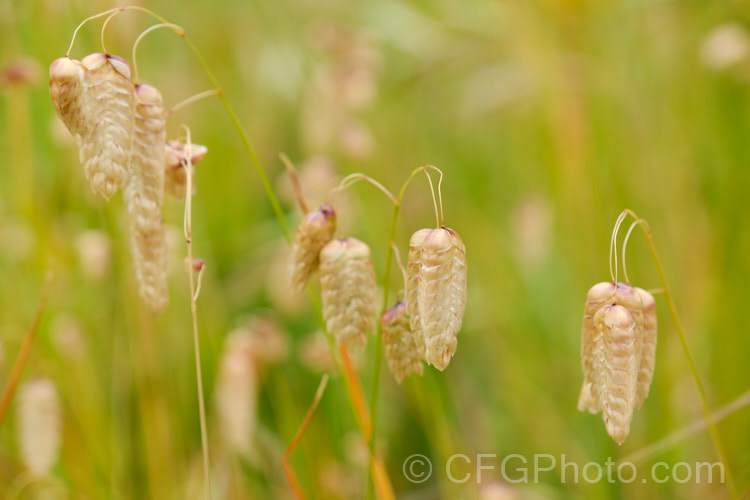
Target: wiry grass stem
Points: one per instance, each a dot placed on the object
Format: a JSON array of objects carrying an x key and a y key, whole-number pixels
[
  {"x": 23, "y": 354},
  {"x": 715, "y": 436},
  {"x": 194, "y": 313}
]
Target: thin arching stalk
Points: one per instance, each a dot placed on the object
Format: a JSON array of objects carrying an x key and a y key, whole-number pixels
[
  {"x": 715, "y": 436},
  {"x": 23, "y": 355},
  {"x": 377, "y": 362},
  {"x": 298, "y": 436},
  {"x": 687, "y": 431},
  {"x": 194, "y": 312},
  {"x": 177, "y": 29}
]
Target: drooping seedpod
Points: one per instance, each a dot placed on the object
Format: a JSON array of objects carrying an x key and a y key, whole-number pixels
[
  {"x": 441, "y": 294},
  {"x": 648, "y": 353},
  {"x": 347, "y": 284},
  {"x": 616, "y": 367},
  {"x": 597, "y": 296},
  {"x": 610, "y": 353},
  {"x": 175, "y": 176},
  {"x": 66, "y": 88},
  {"x": 39, "y": 425},
  {"x": 313, "y": 233},
  {"x": 144, "y": 194},
  {"x": 403, "y": 350},
  {"x": 109, "y": 106},
  {"x": 413, "y": 277}
]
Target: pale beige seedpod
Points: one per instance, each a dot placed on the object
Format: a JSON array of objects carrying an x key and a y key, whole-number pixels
[
  {"x": 236, "y": 393},
  {"x": 39, "y": 425},
  {"x": 597, "y": 296},
  {"x": 648, "y": 353},
  {"x": 442, "y": 294},
  {"x": 109, "y": 106},
  {"x": 616, "y": 366},
  {"x": 403, "y": 350},
  {"x": 175, "y": 176},
  {"x": 144, "y": 194},
  {"x": 313, "y": 233},
  {"x": 347, "y": 284},
  {"x": 413, "y": 272},
  {"x": 66, "y": 89}
]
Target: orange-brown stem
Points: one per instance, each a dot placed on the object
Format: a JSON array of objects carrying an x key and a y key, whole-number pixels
[
  {"x": 23, "y": 355},
  {"x": 298, "y": 436}
]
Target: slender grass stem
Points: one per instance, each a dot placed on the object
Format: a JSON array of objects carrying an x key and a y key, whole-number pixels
[
  {"x": 298, "y": 436},
  {"x": 245, "y": 141},
  {"x": 379, "y": 328},
  {"x": 715, "y": 436},
  {"x": 687, "y": 431},
  {"x": 23, "y": 354},
  {"x": 194, "y": 313}
]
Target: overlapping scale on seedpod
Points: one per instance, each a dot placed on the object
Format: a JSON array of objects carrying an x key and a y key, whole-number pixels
[
  {"x": 144, "y": 194},
  {"x": 313, "y": 233},
  {"x": 108, "y": 105},
  {"x": 175, "y": 161},
  {"x": 441, "y": 293},
  {"x": 616, "y": 368},
  {"x": 66, "y": 88},
  {"x": 413, "y": 277},
  {"x": 347, "y": 284},
  {"x": 403, "y": 350},
  {"x": 617, "y": 354},
  {"x": 648, "y": 354}
]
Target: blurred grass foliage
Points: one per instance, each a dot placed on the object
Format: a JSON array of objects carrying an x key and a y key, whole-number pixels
[{"x": 547, "y": 117}]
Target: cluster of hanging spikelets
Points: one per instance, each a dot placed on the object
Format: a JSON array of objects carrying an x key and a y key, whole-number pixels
[
  {"x": 347, "y": 277},
  {"x": 423, "y": 327},
  {"x": 618, "y": 349},
  {"x": 120, "y": 127}
]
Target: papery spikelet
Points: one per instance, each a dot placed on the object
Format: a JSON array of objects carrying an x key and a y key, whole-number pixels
[
  {"x": 442, "y": 294},
  {"x": 66, "y": 89},
  {"x": 175, "y": 177},
  {"x": 648, "y": 352},
  {"x": 413, "y": 272},
  {"x": 108, "y": 103},
  {"x": 616, "y": 366},
  {"x": 403, "y": 350},
  {"x": 313, "y": 233},
  {"x": 236, "y": 392},
  {"x": 144, "y": 193},
  {"x": 39, "y": 425},
  {"x": 347, "y": 283},
  {"x": 597, "y": 296}
]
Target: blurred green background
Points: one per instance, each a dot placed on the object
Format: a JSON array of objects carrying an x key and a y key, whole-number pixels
[{"x": 547, "y": 118}]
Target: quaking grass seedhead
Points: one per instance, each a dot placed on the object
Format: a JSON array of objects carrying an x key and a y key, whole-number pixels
[
  {"x": 175, "y": 165},
  {"x": 618, "y": 343},
  {"x": 403, "y": 350},
  {"x": 436, "y": 291},
  {"x": 108, "y": 109},
  {"x": 313, "y": 233},
  {"x": 66, "y": 88},
  {"x": 144, "y": 194},
  {"x": 347, "y": 284}
]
